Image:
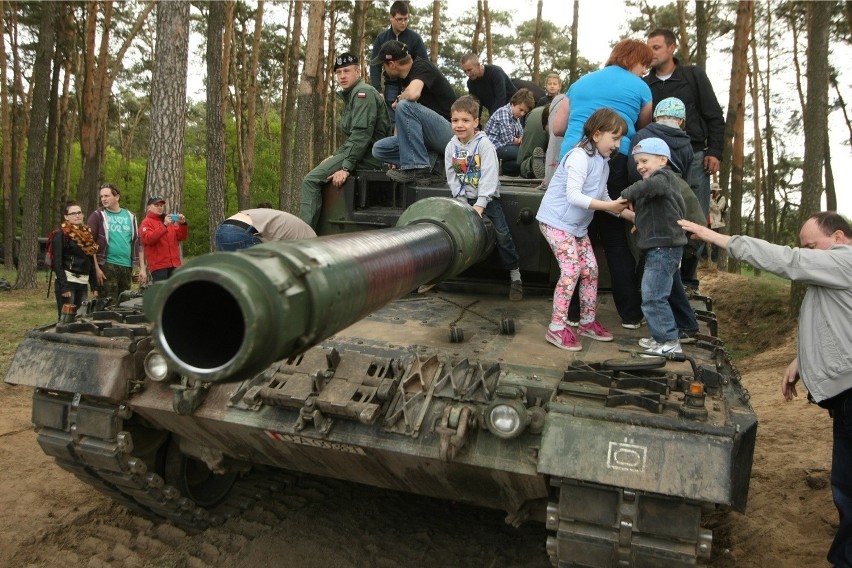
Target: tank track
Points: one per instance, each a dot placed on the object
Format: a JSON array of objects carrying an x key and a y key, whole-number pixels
[
  {"x": 88, "y": 439},
  {"x": 636, "y": 529}
]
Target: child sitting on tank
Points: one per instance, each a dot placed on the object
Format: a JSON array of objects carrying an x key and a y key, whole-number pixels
[{"x": 470, "y": 160}]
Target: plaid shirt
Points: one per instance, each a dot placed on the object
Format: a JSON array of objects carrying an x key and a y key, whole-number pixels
[{"x": 502, "y": 127}]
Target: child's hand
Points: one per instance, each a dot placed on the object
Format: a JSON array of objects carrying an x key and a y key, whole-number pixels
[
  {"x": 618, "y": 205},
  {"x": 479, "y": 209}
]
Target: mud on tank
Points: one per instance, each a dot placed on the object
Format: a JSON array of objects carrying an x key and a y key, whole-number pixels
[{"x": 315, "y": 357}]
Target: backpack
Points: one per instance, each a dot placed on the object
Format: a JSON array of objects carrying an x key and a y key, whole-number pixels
[{"x": 48, "y": 254}]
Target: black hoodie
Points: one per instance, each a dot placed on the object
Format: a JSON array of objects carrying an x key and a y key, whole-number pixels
[{"x": 676, "y": 139}]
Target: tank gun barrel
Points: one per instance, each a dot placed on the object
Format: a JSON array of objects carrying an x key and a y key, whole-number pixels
[{"x": 225, "y": 316}]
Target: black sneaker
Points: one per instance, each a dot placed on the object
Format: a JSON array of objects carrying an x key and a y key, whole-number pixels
[
  {"x": 516, "y": 292},
  {"x": 538, "y": 162},
  {"x": 416, "y": 175}
]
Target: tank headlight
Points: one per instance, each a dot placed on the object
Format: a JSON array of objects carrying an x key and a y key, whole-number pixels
[
  {"x": 156, "y": 367},
  {"x": 506, "y": 418}
]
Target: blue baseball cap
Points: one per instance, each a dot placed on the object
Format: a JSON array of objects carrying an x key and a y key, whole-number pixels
[{"x": 652, "y": 146}]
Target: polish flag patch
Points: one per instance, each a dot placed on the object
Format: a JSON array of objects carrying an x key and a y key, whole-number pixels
[{"x": 362, "y": 95}]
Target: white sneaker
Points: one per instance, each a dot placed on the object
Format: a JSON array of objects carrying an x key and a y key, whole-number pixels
[
  {"x": 647, "y": 343},
  {"x": 663, "y": 349}
]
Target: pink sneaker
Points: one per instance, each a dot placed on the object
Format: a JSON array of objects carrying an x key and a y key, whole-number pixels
[
  {"x": 595, "y": 330},
  {"x": 563, "y": 339}
]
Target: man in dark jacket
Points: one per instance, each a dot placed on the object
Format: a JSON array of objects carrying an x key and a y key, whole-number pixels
[
  {"x": 705, "y": 123},
  {"x": 364, "y": 120},
  {"x": 488, "y": 83},
  {"x": 399, "y": 31}
]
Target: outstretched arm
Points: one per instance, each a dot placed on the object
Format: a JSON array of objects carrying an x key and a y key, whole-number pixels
[{"x": 705, "y": 233}]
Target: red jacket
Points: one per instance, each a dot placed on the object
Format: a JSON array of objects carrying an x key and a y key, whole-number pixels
[{"x": 161, "y": 242}]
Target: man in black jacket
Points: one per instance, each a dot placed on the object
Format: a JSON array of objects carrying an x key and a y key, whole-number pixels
[
  {"x": 705, "y": 123},
  {"x": 488, "y": 83}
]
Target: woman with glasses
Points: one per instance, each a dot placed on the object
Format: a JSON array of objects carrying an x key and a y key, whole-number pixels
[{"x": 73, "y": 249}]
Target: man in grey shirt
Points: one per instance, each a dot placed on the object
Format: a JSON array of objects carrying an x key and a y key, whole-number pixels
[
  {"x": 824, "y": 350},
  {"x": 263, "y": 225}
]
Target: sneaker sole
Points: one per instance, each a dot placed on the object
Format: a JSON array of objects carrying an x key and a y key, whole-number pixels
[
  {"x": 631, "y": 325},
  {"x": 560, "y": 346},
  {"x": 596, "y": 337}
]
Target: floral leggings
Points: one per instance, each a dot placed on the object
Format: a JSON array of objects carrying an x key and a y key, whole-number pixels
[{"x": 577, "y": 262}]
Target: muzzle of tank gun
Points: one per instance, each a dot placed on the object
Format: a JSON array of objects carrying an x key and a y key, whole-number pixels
[{"x": 227, "y": 316}]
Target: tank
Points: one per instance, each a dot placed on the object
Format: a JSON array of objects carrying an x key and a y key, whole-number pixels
[{"x": 320, "y": 357}]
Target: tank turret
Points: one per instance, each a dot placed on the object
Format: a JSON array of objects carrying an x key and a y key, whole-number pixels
[{"x": 225, "y": 316}]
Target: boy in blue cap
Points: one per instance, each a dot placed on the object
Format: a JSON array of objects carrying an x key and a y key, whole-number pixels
[{"x": 657, "y": 206}]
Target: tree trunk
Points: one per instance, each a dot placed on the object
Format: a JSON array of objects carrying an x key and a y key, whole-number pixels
[
  {"x": 770, "y": 208},
  {"x": 816, "y": 123},
  {"x": 840, "y": 102},
  {"x": 757, "y": 142},
  {"x": 326, "y": 144},
  {"x": 245, "y": 108},
  {"x": 165, "y": 174},
  {"x": 683, "y": 46},
  {"x": 536, "y": 72},
  {"x": 830, "y": 192},
  {"x": 289, "y": 196},
  {"x": 51, "y": 204},
  {"x": 436, "y": 30},
  {"x": 477, "y": 30},
  {"x": 28, "y": 257},
  {"x": 575, "y": 23},
  {"x": 98, "y": 75},
  {"x": 216, "y": 74},
  {"x": 733, "y": 162},
  {"x": 10, "y": 206},
  {"x": 308, "y": 102},
  {"x": 488, "y": 44},
  {"x": 701, "y": 25},
  {"x": 359, "y": 30}
]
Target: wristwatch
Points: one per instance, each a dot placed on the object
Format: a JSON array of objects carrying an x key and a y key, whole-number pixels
[{"x": 345, "y": 169}]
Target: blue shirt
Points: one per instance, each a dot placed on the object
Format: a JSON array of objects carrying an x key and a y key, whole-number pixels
[
  {"x": 502, "y": 127},
  {"x": 612, "y": 87}
]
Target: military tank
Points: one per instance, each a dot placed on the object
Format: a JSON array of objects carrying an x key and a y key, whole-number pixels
[{"x": 318, "y": 357}]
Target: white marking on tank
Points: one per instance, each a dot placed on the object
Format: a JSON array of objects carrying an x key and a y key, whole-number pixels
[
  {"x": 626, "y": 456},
  {"x": 314, "y": 443}
]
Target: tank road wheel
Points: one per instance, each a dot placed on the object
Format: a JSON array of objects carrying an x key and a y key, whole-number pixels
[
  {"x": 456, "y": 334},
  {"x": 194, "y": 479},
  {"x": 507, "y": 326}
]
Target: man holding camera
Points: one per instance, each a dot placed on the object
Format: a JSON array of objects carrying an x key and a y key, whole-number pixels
[{"x": 161, "y": 236}]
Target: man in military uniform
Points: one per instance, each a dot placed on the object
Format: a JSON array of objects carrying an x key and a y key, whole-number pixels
[{"x": 364, "y": 120}]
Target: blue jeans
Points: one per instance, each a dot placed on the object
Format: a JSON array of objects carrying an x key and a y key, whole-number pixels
[
  {"x": 391, "y": 92},
  {"x": 232, "y": 237},
  {"x": 661, "y": 265},
  {"x": 840, "y": 552},
  {"x": 681, "y": 310},
  {"x": 505, "y": 245},
  {"x": 420, "y": 132},
  {"x": 508, "y": 156},
  {"x": 699, "y": 181}
]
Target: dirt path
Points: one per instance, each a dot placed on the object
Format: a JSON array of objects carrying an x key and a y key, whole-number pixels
[{"x": 50, "y": 519}]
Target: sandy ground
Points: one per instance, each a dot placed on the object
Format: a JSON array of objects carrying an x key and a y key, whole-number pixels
[{"x": 50, "y": 519}]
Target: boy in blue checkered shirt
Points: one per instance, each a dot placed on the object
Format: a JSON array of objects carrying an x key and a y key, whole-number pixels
[{"x": 505, "y": 130}]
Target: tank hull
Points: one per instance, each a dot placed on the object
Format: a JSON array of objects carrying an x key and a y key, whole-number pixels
[{"x": 453, "y": 393}]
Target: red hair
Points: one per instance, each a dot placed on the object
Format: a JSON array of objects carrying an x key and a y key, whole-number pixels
[{"x": 628, "y": 52}]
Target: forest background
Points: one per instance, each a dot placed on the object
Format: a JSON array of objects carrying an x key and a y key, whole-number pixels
[{"x": 88, "y": 94}]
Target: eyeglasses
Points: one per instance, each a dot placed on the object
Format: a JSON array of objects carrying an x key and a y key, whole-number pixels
[{"x": 74, "y": 213}]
